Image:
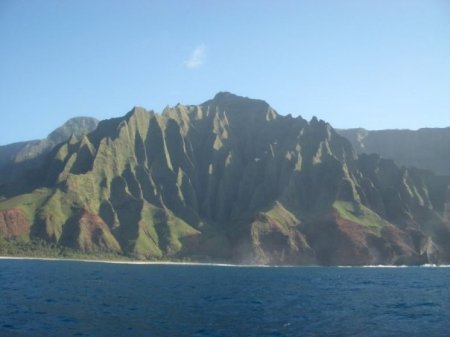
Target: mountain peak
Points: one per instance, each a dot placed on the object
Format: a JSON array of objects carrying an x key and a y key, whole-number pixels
[
  {"x": 226, "y": 96},
  {"x": 76, "y": 126},
  {"x": 233, "y": 103}
]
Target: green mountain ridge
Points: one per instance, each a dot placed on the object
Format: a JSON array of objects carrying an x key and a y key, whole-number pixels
[
  {"x": 18, "y": 159},
  {"x": 229, "y": 180}
]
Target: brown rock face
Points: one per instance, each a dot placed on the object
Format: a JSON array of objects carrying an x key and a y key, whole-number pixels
[
  {"x": 88, "y": 232},
  {"x": 13, "y": 222},
  {"x": 337, "y": 241},
  {"x": 275, "y": 243}
]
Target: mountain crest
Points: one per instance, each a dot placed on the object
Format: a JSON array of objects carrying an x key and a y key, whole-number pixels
[
  {"x": 231, "y": 180},
  {"x": 237, "y": 104}
]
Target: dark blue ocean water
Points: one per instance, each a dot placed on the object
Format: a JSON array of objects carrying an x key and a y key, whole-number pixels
[{"x": 66, "y": 298}]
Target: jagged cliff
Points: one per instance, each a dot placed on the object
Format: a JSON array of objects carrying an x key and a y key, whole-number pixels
[
  {"x": 17, "y": 159},
  {"x": 230, "y": 180}
]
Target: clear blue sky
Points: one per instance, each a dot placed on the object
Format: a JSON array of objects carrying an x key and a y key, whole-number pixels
[{"x": 375, "y": 64}]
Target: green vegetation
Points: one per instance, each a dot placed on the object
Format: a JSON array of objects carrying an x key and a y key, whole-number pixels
[
  {"x": 40, "y": 248},
  {"x": 360, "y": 214},
  {"x": 28, "y": 203},
  {"x": 282, "y": 215}
]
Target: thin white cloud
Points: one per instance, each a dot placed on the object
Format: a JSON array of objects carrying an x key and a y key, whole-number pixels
[{"x": 197, "y": 57}]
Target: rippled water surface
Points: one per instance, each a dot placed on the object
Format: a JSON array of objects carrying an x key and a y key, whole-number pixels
[{"x": 67, "y": 298}]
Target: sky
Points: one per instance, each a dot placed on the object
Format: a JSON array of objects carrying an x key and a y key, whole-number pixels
[{"x": 377, "y": 64}]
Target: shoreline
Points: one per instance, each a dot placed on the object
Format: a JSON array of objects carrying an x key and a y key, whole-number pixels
[
  {"x": 134, "y": 262},
  {"x": 176, "y": 263}
]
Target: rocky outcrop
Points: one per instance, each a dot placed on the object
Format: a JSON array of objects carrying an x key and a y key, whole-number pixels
[
  {"x": 88, "y": 233},
  {"x": 13, "y": 223}
]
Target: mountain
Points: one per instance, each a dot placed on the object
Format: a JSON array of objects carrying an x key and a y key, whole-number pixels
[
  {"x": 427, "y": 148},
  {"x": 229, "y": 180},
  {"x": 17, "y": 159}
]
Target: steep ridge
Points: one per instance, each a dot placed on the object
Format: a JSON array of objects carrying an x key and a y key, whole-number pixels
[
  {"x": 231, "y": 180},
  {"x": 426, "y": 148},
  {"x": 18, "y": 159}
]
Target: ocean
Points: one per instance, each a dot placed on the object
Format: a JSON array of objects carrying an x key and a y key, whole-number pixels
[{"x": 74, "y": 298}]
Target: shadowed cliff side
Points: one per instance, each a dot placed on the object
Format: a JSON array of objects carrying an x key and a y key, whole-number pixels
[{"x": 426, "y": 148}]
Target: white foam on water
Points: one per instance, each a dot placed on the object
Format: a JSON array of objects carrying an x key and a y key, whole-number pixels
[
  {"x": 385, "y": 266},
  {"x": 133, "y": 262},
  {"x": 430, "y": 265},
  {"x": 138, "y": 262}
]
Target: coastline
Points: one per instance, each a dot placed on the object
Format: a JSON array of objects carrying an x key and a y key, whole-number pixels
[
  {"x": 135, "y": 262},
  {"x": 179, "y": 263}
]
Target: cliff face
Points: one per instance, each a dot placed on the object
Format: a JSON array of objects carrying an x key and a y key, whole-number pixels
[
  {"x": 427, "y": 149},
  {"x": 232, "y": 180}
]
